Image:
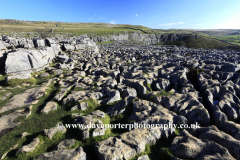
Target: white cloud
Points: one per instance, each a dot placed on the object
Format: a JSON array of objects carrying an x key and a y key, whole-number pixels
[
  {"x": 101, "y": 17},
  {"x": 90, "y": 19},
  {"x": 232, "y": 22},
  {"x": 113, "y": 22},
  {"x": 199, "y": 24},
  {"x": 95, "y": 15},
  {"x": 171, "y": 24},
  {"x": 136, "y": 15}
]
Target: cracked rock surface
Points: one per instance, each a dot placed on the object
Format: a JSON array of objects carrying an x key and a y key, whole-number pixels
[{"x": 95, "y": 90}]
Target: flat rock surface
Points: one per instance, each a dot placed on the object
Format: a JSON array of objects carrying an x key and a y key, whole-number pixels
[
  {"x": 28, "y": 97},
  {"x": 69, "y": 154},
  {"x": 7, "y": 121}
]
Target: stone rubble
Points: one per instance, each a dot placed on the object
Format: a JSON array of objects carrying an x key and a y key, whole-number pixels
[{"x": 144, "y": 84}]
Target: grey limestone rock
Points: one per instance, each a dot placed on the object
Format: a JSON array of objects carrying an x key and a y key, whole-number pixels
[
  {"x": 30, "y": 147},
  {"x": 38, "y": 43},
  {"x": 69, "y": 154},
  {"x": 28, "y": 97},
  {"x": 129, "y": 92},
  {"x": 145, "y": 157},
  {"x": 113, "y": 148},
  {"x": 49, "y": 107},
  {"x": 64, "y": 144},
  {"x": 7, "y": 121},
  {"x": 186, "y": 146},
  {"x": 52, "y": 131},
  {"x": 2, "y": 46}
]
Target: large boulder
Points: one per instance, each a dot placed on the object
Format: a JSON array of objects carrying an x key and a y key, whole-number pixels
[
  {"x": 49, "y": 107},
  {"x": 18, "y": 63},
  {"x": 2, "y": 46},
  {"x": 38, "y": 43},
  {"x": 22, "y": 62},
  {"x": 26, "y": 43}
]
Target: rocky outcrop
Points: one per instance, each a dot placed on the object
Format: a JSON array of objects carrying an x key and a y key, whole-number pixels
[
  {"x": 152, "y": 113},
  {"x": 21, "y": 62},
  {"x": 78, "y": 43},
  {"x": 90, "y": 121},
  {"x": 212, "y": 133},
  {"x": 129, "y": 144},
  {"x": 145, "y": 39},
  {"x": 187, "y": 105},
  {"x": 143, "y": 87},
  {"x": 186, "y": 146}
]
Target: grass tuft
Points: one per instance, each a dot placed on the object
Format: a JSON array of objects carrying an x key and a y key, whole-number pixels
[{"x": 17, "y": 81}]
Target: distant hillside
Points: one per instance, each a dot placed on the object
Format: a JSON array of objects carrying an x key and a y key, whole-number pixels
[
  {"x": 231, "y": 36},
  {"x": 31, "y": 29},
  {"x": 203, "y": 42},
  {"x": 9, "y": 26}
]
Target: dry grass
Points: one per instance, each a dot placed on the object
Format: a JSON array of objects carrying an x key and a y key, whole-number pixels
[{"x": 92, "y": 29}]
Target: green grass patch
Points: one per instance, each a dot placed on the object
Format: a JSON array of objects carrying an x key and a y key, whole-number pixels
[
  {"x": 93, "y": 88},
  {"x": 165, "y": 153},
  {"x": 92, "y": 105},
  {"x": 78, "y": 89},
  {"x": 35, "y": 123},
  {"x": 113, "y": 103},
  {"x": 233, "y": 39},
  {"x": 94, "y": 83},
  {"x": 17, "y": 81},
  {"x": 2, "y": 77},
  {"x": 203, "y": 42},
  {"x": 164, "y": 93},
  {"x": 145, "y": 73},
  {"x": 108, "y": 132},
  {"x": 149, "y": 86},
  {"x": 177, "y": 131},
  {"x": 42, "y": 28},
  {"x": 43, "y": 146}
]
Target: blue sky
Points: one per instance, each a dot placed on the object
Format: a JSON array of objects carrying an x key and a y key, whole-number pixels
[{"x": 157, "y": 14}]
